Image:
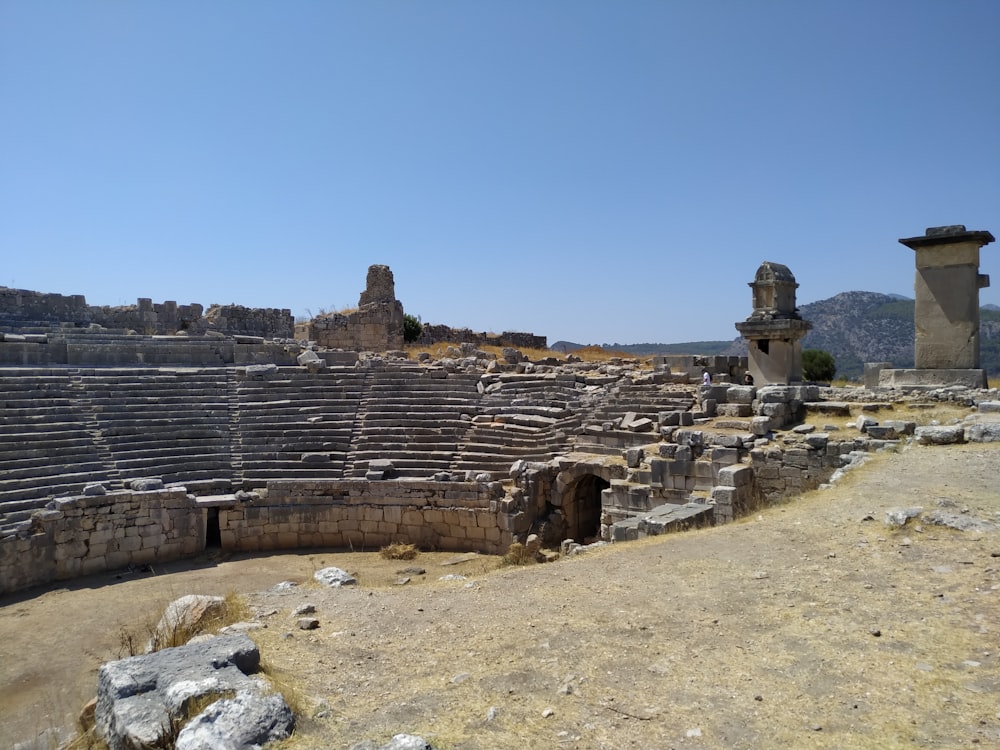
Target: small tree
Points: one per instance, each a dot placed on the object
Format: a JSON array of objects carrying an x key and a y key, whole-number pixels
[
  {"x": 412, "y": 328},
  {"x": 818, "y": 365}
]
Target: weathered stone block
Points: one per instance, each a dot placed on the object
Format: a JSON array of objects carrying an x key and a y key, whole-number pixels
[{"x": 940, "y": 435}]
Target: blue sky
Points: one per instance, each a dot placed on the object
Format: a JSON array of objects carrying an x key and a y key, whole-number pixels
[{"x": 590, "y": 171}]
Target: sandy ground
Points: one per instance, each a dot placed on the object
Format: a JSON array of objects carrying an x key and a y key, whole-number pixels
[{"x": 811, "y": 624}]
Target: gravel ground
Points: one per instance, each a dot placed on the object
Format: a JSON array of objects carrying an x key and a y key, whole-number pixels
[{"x": 811, "y": 624}]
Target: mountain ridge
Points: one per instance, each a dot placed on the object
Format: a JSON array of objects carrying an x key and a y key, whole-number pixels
[{"x": 855, "y": 327}]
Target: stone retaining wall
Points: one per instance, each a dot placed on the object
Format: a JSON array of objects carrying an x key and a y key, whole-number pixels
[
  {"x": 146, "y": 316},
  {"x": 438, "y": 334},
  {"x": 363, "y": 515},
  {"x": 93, "y": 534}
]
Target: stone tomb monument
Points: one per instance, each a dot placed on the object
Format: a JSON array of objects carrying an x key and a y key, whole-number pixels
[
  {"x": 946, "y": 313},
  {"x": 775, "y": 329}
]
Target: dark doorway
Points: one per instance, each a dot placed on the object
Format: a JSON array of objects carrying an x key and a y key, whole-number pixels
[
  {"x": 213, "y": 535},
  {"x": 583, "y": 509}
]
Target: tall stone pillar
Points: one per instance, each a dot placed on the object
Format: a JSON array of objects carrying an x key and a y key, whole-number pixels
[
  {"x": 946, "y": 287},
  {"x": 774, "y": 330}
]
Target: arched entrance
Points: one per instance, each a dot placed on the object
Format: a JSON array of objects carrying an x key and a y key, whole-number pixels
[{"x": 582, "y": 508}]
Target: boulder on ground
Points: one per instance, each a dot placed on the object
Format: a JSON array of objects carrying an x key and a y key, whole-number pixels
[
  {"x": 335, "y": 577},
  {"x": 142, "y": 700},
  {"x": 940, "y": 435},
  {"x": 182, "y": 618}
]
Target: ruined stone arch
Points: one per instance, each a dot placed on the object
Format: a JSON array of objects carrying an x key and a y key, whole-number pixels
[{"x": 577, "y": 494}]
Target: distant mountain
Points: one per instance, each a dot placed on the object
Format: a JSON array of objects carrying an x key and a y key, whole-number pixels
[
  {"x": 701, "y": 348},
  {"x": 855, "y": 327},
  {"x": 859, "y": 327}
]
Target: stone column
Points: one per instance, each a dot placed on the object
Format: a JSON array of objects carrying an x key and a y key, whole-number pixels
[{"x": 946, "y": 287}]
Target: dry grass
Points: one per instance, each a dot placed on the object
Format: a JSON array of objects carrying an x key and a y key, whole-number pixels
[
  {"x": 588, "y": 354},
  {"x": 517, "y": 554},
  {"x": 397, "y": 551},
  {"x": 147, "y": 636}
]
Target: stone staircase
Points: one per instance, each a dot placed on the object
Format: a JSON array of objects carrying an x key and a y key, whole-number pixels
[
  {"x": 171, "y": 423},
  {"x": 530, "y": 417},
  {"x": 46, "y": 444},
  {"x": 628, "y": 403},
  {"x": 293, "y": 424},
  {"x": 415, "y": 418}
]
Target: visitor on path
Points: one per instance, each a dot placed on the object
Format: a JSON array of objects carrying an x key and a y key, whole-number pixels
[
  {"x": 748, "y": 379},
  {"x": 706, "y": 377}
]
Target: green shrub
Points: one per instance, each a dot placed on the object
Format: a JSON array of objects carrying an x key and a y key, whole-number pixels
[
  {"x": 818, "y": 366},
  {"x": 412, "y": 328}
]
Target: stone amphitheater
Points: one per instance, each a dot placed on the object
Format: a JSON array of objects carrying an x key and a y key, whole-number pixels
[{"x": 137, "y": 435}]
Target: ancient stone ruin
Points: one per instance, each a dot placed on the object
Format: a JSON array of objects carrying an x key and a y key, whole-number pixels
[
  {"x": 946, "y": 314},
  {"x": 774, "y": 330},
  {"x": 377, "y": 324},
  {"x": 121, "y": 448}
]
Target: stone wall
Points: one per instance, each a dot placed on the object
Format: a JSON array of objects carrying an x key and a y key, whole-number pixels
[
  {"x": 22, "y": 304},
  {"x": 362, "y": 515},
  {"x": 86, "y": 348},
  {"x": 442, "y": 334},
  {"x": 234, "y": 320},
  {"x": 92, "y": 534},
  {"x": 144, "y": 317},
  {"x": 377, "y": 327}
]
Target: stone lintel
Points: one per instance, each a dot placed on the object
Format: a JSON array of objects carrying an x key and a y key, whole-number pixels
[
  {"x": 948, "y": 235},
  {"x": 779, "y": 328}
]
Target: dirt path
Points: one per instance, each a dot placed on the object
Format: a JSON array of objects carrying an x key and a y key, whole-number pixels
[{"x": 803, "y": 626}]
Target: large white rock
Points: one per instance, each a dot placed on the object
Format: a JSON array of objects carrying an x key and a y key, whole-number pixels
[{"x": 334, "y": 577}]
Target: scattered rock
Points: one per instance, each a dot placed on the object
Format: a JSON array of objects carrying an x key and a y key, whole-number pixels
[
  {"x": 182, "y": 618},
  {"x": 958, "y": 521},
  {"x": 146, "y": 485},
  {"x": 249, "y": 720},
  {"x": 897, "y": 517},
  {"x": 940, "y": 435},
  {"x": 335, "y": 578},
  {"x": 308, "y": 623},
  {"x": 140, "y": 698}
]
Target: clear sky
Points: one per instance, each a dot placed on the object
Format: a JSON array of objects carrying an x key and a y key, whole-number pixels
[{"x": 591, "y": 171}]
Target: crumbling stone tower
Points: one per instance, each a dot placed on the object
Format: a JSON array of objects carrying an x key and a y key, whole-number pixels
[
  {"x": 775, "y": 329},
  {"x": 376, "y": 326},
  {"x": 946, "y": 287}
]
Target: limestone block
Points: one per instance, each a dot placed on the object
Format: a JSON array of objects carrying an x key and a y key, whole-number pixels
[
  {"x": 669, "y": 418},
  {"x": 722, "y": 495},
  {"x": 736, "y": 476},
  {"x": 940, "y": 435},
  {"x": 901, "y": 426},
  {"x": 734, "y": 410},
  {"x": 983, "y": 433},
  {"x": 773, "y": 410},
  {"x": 741, "y": 394},
  {"x": 775, "y": 394}
]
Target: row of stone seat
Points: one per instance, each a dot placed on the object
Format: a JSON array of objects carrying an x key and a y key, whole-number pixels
[
  {"x": 522, "y": 416},
  {"x": 172, "y": 423},
  {"x": 414, "y": 418},
  {"x": 293, "y": 424},
  {"x": 66, "y": 427},
  {"x": 46, "y": 447}
]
